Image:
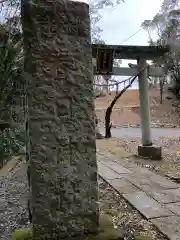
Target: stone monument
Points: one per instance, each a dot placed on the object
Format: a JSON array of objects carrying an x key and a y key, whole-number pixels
[{"x": 61, "y": 118}]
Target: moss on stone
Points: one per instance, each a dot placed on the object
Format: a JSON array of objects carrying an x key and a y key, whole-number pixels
[
  {"x": 111, "y": 212},
  {"x": 106, "y": 232},
  {"x": 22, "y": 234},
  {"x": 105, "y": 221}
]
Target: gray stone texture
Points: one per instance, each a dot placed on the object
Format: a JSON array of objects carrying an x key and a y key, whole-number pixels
[
  {"x": 62, "y": 125},
  {"x": 117, "y": 167},
  {"x": 174, "y": 207},
  {"x": 123, "y": 186},
  {"x": 150, "y": 152},
  {"x": 169, "y": 226},
  {"x": 154, "y": 196},
  {"x": 147, "y": 205},
  {"x": 107, "y": 173},
  {"x": 164, "y": 196},
  {"x": 151, "y": 182}
]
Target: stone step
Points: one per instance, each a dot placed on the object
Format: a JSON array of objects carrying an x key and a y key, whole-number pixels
[
  {"x": 155, "y": 197},
  {"x": 146, "y": 205},
  {"x": 169, "y": 226},
  {"x": 107, "y": 173}
]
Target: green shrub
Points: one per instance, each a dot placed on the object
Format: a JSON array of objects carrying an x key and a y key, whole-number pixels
[{"x": 11, "y": 140}]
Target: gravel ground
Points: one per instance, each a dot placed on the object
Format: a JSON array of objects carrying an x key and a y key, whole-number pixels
[
  {"x": 14, "y": 214},
  {"x": 126, "y": 151}
]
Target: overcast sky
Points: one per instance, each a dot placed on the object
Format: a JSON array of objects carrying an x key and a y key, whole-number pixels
[{"x": 122, "y": 22}]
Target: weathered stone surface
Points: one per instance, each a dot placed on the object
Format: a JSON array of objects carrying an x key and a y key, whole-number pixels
[
  {"x": 62, "y": 125},
  {"x": 142, "y": 182},
  {"x": 153, "y": 187},
  {"x": 147, "y": 205},
  {"x": 106, "y": 172},
  {"x": 106, "y": 232},
  {"x": 123, "y": 186},
  {"x": 174, "y": 207},
  {"x": 107, "y": 155},
  {"x": 163, "y": 182},
  {"x": 158, "y": 187},
  {"x": 150, "y": 152},
  {"x": 101, "y": 157},
  {"x": 117, "y": 167},
  {"x": 151, "y": 182},
  {"x": 175, "y": 191},
  {"x": 169, "y": 226},
  {"x": 164, "y": 196},
  {"x": 140, "y": 170}
]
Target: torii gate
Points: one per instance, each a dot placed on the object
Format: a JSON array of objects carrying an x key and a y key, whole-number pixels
[{"x": 104, "y": 55}]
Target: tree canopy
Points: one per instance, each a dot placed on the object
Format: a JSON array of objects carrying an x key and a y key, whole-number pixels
[{"x": 167, "y": 25}]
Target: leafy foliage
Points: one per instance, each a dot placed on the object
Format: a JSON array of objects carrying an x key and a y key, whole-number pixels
[
  {"x": 10, "y": 143},
  {"x": 167, "y": 25},
  {"x": 95, "y": 12},
  {"x": 11, "y": 79},
  {"x": 11, "y": 69}
]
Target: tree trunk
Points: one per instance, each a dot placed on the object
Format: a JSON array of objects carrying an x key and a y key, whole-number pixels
[
  {"x": 161, "y": 89},
  {"x": 108, "y": 123},
  {"x": 63, "y": 168},
  {"x": 117, "y": 88}
]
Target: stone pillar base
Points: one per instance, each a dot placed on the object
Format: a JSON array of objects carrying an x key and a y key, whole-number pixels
[
  {"x": 150, "y": 152},
  {"x": 106, "y": 232}
]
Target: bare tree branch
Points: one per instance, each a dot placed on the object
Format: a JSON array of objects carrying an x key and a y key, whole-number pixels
[{"x": 108, "y": 125}]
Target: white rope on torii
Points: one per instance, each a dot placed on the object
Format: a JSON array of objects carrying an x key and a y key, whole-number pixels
[
  {"x": 121, "y": 70},
  {"x": 113, "y": 84}
]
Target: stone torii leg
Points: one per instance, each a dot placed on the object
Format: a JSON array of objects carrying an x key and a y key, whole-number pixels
[{"x": 147, "y": 149}]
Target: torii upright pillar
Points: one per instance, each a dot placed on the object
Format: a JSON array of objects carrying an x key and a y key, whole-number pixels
[
  {"x": 147, "y": 149},
  {"x": 144, "y": 103}
]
